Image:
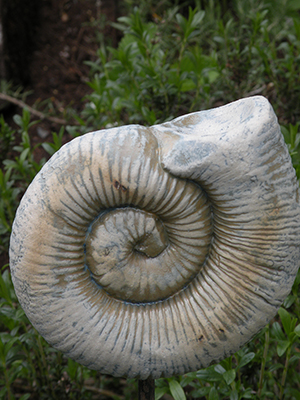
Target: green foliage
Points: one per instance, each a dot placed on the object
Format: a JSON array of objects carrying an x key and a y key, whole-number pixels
[
  {"x": 170, "y": 61},
  {"x": 57, "y": 138},
  {"x": 171, "y": 64},
  {"x": 6, "y": 138},
  {"x": 147, "y": 79},
  {"x": 23, "y": 168},
  {"x": 15, "y": 174},
  {"x": 291, "y": 135}
]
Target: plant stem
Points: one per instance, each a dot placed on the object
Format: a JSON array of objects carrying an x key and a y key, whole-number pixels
[
  {"x": 32, "y": 111},
  {"x": 284, "y": 374},
  {"x": 263, "y": 361},
  {"x": 146, "y": 389},
  {"x": 7, "y": 384},
  {"x": 44, "y": 363}
]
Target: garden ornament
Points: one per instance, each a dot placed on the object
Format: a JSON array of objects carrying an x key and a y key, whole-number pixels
[{"x": 155, "y": 251}]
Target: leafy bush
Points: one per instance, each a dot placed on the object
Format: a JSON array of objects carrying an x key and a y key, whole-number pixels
[
  {"x": 149, "y": 79},
  {"x": 170, "y": 61},
  {"x": 174, "y": 64}
]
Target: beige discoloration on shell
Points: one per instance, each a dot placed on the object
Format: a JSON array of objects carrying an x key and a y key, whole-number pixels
[{"x": 199, "y": 222}]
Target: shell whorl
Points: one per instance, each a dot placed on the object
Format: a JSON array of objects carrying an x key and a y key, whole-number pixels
[
  {"x": 157, "y": 251},
  {"x": 155, "y": 230}
]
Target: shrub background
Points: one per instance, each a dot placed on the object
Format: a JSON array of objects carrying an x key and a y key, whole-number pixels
[{"x": 173, "y": 58}]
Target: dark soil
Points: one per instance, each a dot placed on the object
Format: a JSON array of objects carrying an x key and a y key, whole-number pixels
[{"x": 66, "y": 38}]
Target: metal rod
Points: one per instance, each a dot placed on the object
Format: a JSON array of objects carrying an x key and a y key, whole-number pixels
[{"x": 146, "y": 389}]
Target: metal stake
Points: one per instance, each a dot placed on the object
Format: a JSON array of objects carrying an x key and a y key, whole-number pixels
[{"x": 146, "y": 389}]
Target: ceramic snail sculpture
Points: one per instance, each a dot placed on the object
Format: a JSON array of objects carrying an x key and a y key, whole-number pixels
[{"x": 148, "y": 252}]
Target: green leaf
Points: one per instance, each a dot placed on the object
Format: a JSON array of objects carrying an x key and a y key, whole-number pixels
[
  {"x": 246, "y": 359},
  {"x": 247, "y": 394},
  {"x": 14, "y": 331},
  {"x": 293, "y": 5},
  {"x": 176, "y": 390},
  {"x": 221, "y": 370},
  {"x": 25, "y": 396},
  {"x": 18, "y": 120},
  {"x": 290, "y": 300},
  {"x": 209, "y": 375},
  {"x": 234, "y": 395},
  {"x": 213, "y": 394},
  {"x": 187, "y": 85},
  {"x": 204, "y": 391},
  {"x": 4, "y": 293},
  {"x": 213, "y": 75},
  {"x": 277, "y": 331},
  {"x": 188, "y": 378},
  {"x": 297, "y": 330},
  {"x": 276, "y": 366},
  {"x": 229, "y": 376},
  {"x": 282, "y": 347},
  {"x": 198, "y": 17},
  {"x": 286, "y": 320},
  {"x": 294, "y": 393},
  {"x": 160, "y": 391},
  {"x": 182, "y": 22},
  {"x": 48, "y": 148},
  {"x": 295, "y": 357},
  {"x": 72, "y": 369},
  {"x": 13, "y": 355},
  {"x": 24, "y": 154}
]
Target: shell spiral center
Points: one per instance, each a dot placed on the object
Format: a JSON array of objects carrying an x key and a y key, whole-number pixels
[
  {"x": 135, "y": 256},
  {"x": 120, "y": 248}
]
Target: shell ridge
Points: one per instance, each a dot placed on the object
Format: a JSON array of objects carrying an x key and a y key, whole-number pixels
[{"x": 136, "y": 244}]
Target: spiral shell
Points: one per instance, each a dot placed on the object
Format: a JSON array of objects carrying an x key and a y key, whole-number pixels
[{"x": 157, "y": 251}]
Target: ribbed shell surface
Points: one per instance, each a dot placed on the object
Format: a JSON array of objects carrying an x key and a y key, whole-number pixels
[{"x": 157, "y": 251}]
